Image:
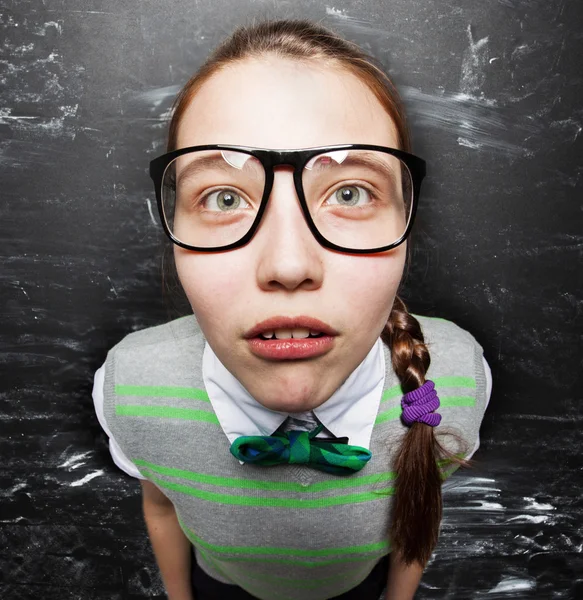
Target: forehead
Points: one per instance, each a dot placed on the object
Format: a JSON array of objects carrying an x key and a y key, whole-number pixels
[{"x": 281, "y": 103}]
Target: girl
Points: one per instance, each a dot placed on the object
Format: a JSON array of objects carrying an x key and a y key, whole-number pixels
[{"x": 286, "y": 434}]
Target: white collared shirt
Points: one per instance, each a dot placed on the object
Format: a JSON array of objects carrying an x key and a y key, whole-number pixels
[{"x": 350, "y": 411}]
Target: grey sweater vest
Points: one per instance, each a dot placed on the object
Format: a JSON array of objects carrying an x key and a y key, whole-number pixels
[{"x": 285, "y": 531}]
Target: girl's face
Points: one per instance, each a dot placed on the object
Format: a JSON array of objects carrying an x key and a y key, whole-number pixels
[{"x": 284, "y": 272}]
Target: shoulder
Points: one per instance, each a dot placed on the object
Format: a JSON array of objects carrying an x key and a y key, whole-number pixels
[
  {"x": 152, "y": 359},
  {"x": 173, "y": 332},
  {"x": 453, "y": 349},
  {"x": 442, "y": 332},
  {"x": 151, "y": 353},
  {"x": 460, "y": 374}
]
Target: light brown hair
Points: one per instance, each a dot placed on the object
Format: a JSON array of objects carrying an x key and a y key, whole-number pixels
[{"x": 417, "y": 501}]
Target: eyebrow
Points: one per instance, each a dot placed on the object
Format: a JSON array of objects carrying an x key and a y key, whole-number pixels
[
  {"x": 194, "y": 167},
  {"x": 365, "y": 160}
]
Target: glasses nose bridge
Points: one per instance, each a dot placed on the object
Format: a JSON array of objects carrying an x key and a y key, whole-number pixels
[
  {"x": 296, "y": 159},
  {"x": 280, "y": 158}
]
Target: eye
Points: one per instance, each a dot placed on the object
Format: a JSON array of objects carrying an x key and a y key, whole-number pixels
[
  {"x": 349, "y": 195},
  {"x": 224, "y": 201}
]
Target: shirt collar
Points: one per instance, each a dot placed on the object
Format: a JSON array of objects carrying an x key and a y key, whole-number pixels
[{"x": 351, "y": 411}]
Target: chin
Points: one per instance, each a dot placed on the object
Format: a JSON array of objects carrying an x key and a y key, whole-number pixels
[{"x": 291, "y": 404}]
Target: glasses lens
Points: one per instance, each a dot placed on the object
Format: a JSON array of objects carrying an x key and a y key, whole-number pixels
[
  {"x": 358, "y": 199},
  {"x": 211, "y": 198}
]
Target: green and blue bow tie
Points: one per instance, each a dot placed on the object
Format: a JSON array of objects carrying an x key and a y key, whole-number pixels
[{"x": 301, "y": 447}]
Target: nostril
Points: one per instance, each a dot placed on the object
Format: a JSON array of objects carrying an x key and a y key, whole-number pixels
[{"x": 291, "y": 283}]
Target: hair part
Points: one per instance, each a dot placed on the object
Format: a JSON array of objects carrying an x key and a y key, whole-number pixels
[{"x": 417, "y": 504}]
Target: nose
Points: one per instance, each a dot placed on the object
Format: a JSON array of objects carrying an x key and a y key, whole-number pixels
[{"x": 290, "y": 258}]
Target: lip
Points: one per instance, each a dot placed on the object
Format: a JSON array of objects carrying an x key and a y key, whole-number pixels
[
  {"x": 290, "y": 323},
  {"x": 291, "y": 349}
]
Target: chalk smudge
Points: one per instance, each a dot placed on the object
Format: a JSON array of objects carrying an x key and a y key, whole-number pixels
[
  {"x": 112, "y": 286},
  {"x": 12, "y": 490},
  {"x": 478, "y": 124},
  {"x": 86, "y": 479},
  {"x": 149, "y": 204},
  {"x": 74, "y": 461},
  {"x": 513, "y": 584},
  {"x": 473, "y": 62},
  {"x": 156, "y": 96},
  {"x": 336, "y": 12}
]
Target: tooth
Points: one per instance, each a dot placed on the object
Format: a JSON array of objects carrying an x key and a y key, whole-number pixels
[
  {"x": 300, "y": 333},
  {"x": 283, "y": 334},
  {"x": 313, "y": 332},
  {"x": 268, "y": 334}
]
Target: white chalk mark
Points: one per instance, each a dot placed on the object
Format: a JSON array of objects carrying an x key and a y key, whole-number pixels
[
  {"x": 474, "y": 59},
  {"x": 17, "y": 118},
  {"x": 552, "y": 418},
  {"x": 468, "y": 143},
  {"x": 529, "y": 519},
  {"x": 481, "y": 479},
  {"x": 70, "y": 110},
  {"x": 150, "y": 211},
  {"x": 86, "y": 479},
  {"x": 20, "y": 50},
  {"x": 156, "y": 96},
  {"x": 112, "y": 287},
  {"x": 478, "y": 122},
  {"x": 92, "y": 12},
  {"x": 13, "y": 489},
  {"x": 165, "y": 116},
  {"x": 57, "y": 26},
  {"x": 534, "y": 505},
  {"x": 335, "y": 12},
  {"x": 484, "y": 505},
  {"x": 470, "y": 489},
  {"x": 74, "y": 459},
  {"x": 52, "y": 125},
  {"x": 513, "y": 584}
]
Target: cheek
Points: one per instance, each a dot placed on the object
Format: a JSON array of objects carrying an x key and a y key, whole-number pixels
[
  {"x": 372, "y": 284},
  {"x": 212, "y": 283}
]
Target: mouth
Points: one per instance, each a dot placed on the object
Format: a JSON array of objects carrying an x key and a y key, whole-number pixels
[
  {"x": 283, "y": 328},
  {"x": 285, "y": 338}
]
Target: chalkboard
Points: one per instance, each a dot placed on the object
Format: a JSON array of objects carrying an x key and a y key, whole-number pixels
[{"x": 493, "y": 92}]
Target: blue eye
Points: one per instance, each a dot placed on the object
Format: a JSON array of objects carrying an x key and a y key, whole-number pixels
[{"x": 350, "y": 195}]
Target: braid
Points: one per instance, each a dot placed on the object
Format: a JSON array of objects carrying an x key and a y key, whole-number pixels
[{"x": 417, "y": 508}]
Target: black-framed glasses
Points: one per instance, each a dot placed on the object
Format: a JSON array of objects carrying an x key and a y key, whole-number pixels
[{"x": 357, "y": 198}]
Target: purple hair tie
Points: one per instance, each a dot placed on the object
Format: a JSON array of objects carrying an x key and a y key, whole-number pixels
[{"x": 419, "y": 405}]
